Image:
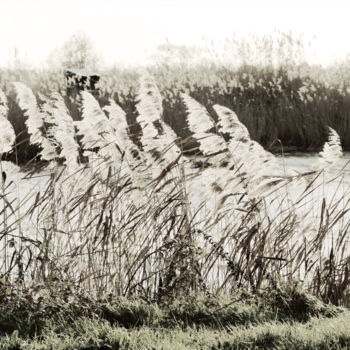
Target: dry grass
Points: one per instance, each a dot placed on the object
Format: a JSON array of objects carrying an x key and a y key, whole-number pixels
[{"x": 131, "y": 220}]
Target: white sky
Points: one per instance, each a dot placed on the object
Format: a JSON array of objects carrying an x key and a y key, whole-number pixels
[{"x": 123, "y": 30}]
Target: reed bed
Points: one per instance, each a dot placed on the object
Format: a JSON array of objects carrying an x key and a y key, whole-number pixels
[
  {"x": 106, "y": 215},
  {"x": 288, "y": 105}
]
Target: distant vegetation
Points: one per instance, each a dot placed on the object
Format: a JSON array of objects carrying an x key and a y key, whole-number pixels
[{"x": 282, "y": 100}]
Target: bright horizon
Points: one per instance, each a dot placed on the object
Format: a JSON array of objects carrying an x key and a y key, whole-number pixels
[{"x": 128, "y": 31}]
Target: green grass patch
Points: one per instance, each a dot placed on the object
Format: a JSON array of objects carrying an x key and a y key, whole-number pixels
[
  {"x": 42, "y": 319},
  {"x": 30, "y": 311},
  {"x": 318, "y": 333}
]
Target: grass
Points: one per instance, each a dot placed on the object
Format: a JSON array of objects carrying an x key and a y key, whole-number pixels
[
  {"x": 57, "y": 320},
  {"x": 31, "y": 310},
  {"x": 88, "y": 334}
]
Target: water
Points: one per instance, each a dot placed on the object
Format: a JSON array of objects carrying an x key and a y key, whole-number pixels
[
  {"x": 303, "y": 162},
  {"x": 25, "y": 189}
]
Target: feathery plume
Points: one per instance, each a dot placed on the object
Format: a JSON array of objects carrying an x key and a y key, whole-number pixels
[
  {"x": 11, "y": 170},
  {"x": 96, "y": 130},
  {"x": 35, "y": 121},
  {"x": 230, "y": 124},
  {"x": 28, "y": 104},
  {"x": 200, "y": 123},
  {"x": 150, "y": 100},
  {"x": 3, "y": 105},
  {"x": 134, "y": 156},
  {"x": 158, "y": 139},
  {"x": 250, "y": 156},
  {"x": 332, "y": 151},
  {"x": 223, "y": 180},
  {"x": 61, "y": 130},
  {"x": 8, "y": 137}
]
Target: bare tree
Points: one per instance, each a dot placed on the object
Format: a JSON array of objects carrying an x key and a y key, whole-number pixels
[{"x": 77, "y": 52}]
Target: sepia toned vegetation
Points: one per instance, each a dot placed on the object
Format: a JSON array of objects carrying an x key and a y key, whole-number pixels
[
  {"x": 111, "y": 216},
  {"x": 281, "y": 99},
  {"x": 108, "y": 211}
]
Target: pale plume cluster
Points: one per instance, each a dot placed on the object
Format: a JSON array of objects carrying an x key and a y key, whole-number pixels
[
  {"x": 7, "y": 137},
  {"x": 158, "y": 139},
  {"x": 96, "y": 130},
  {"x": 61, "y": 129},
  {"x": 35, "y": 121},
  {"x": 201, "y": 124},
  {"x": 131, "y": 154},
  {"x": 7, "y": 140},
  {"x": 249, "y": 155},
  {"x": 332, "y": 151},
  {"x": 12, "y": 171},
  {"x": 240, "y": 163},
  {"x": 3, "y": 105},
  {"x": 128, "y": 210},
  {"x": 28, "y": 104}
]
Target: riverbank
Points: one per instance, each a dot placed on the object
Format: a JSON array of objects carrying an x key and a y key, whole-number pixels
[
  {"x": 41, "y": 318},
  {"x": 96, "y": 335}
]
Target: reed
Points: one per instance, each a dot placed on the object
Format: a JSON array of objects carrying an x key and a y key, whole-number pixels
[{"x": 135, "y": 219}]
